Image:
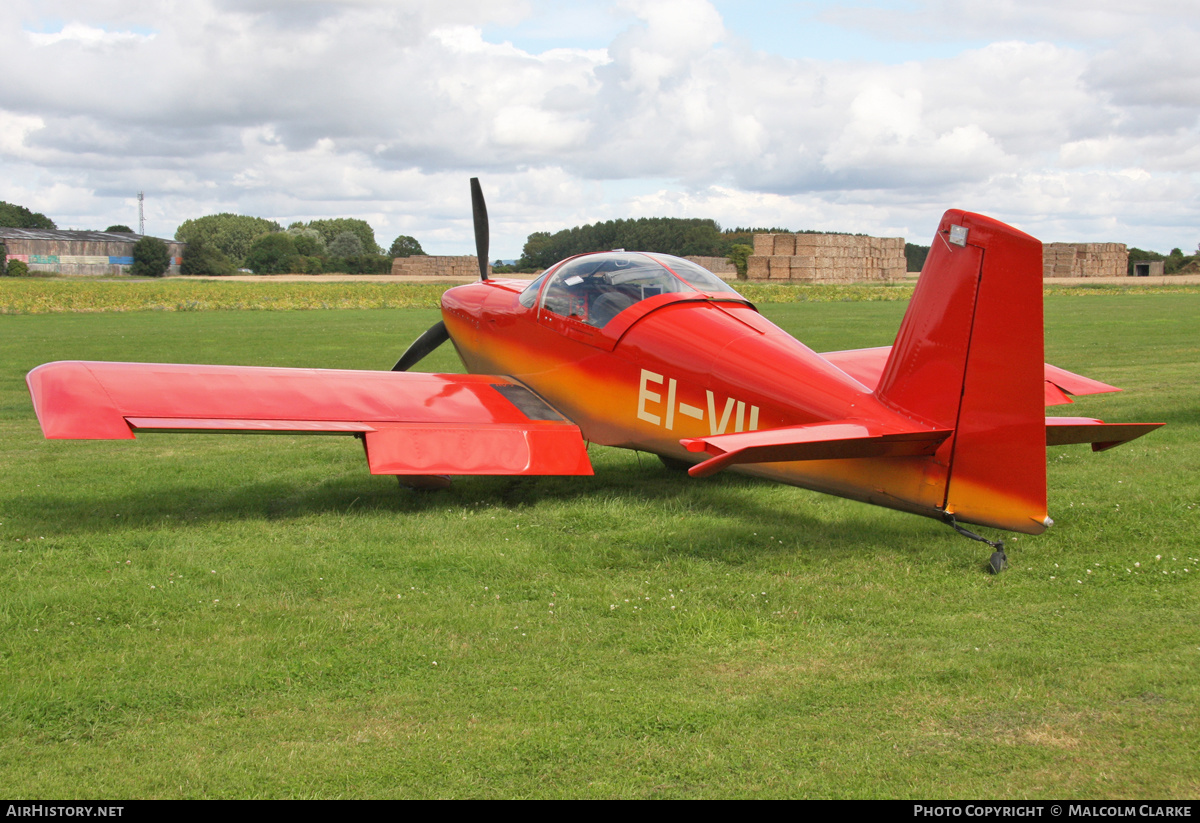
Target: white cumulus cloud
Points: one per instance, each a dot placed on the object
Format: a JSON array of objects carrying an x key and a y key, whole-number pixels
[{"x": 1075, "y": 120}]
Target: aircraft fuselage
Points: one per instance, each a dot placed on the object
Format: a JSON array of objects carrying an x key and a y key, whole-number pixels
[{"x": 672, "y": 368}]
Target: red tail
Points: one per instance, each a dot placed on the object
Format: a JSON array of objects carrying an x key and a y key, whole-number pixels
[{"x": 969, "y": 357}]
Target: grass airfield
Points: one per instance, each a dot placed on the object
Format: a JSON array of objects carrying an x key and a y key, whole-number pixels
[{"x": 225, "y": 616}]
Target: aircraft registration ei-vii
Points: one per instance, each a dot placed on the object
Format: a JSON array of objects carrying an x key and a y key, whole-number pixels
[{"x": 651, "y": 352}]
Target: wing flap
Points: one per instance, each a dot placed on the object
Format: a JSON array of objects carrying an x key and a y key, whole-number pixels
[
  {"x": 500, "y": 449},
  {"x": 818, "y": 441},
  {"x": 412, "y": 424}
]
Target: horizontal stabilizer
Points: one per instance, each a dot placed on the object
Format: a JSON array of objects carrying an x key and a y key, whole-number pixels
[
  {"x": 816, "y": 441},
  {"x": 411, "y": 424},
  {"x": 1063, "y": 431},
  {"x": 866, "y": 366}
]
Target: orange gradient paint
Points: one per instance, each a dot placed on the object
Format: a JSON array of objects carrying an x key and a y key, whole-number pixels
[{"x": 648, "y": 352}]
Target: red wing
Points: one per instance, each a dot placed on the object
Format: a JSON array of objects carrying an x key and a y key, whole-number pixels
[
  {"x": 866, "y": 366},
  {"x": 411, "y": 424}
]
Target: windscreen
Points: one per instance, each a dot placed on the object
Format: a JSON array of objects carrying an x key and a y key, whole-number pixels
[
  {"x": 595, "y": 288},
  {"x": 698, "y": 276}
]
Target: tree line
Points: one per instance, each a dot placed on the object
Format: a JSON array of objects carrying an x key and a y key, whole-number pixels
[
  {"x": 666, "y": 235},
  {"x": 218, "y": 244},
  {"x": 682, "y": 237}
]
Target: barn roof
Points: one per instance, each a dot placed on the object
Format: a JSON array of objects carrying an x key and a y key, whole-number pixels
[{"x": 65, "y": 235}]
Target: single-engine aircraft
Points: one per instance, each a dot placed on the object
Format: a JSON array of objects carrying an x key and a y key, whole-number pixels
[{"x": 652, "y": 352}]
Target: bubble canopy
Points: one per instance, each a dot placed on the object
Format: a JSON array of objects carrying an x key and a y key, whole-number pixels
[{"x": 595, "y": 288}]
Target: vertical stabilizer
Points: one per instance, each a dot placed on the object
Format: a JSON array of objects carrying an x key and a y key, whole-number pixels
[{"x": 969, "y": 356}]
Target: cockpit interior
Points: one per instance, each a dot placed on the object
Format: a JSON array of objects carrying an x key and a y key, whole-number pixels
[{"x": 595, "y": 288}]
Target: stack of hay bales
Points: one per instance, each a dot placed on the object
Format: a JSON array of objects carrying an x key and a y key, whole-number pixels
[
  {"x": 1085, "y": 260},
  {"x": 720, "y": 266},
  {"x": 426, "y": 265},
  {"x": 827, "y": 258}
]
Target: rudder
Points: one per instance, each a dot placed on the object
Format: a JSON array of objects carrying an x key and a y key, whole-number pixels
[{"x": 969, "y": 356}]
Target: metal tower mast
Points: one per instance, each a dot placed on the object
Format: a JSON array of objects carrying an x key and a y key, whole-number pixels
[{"x": 141, "y": 213}]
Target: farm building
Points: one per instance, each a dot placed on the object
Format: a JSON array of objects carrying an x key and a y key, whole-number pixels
[
  {"x": 827, "y": 258},
  {"x": 1148, "y": 268},
  {"x": 78, "y": 253}
]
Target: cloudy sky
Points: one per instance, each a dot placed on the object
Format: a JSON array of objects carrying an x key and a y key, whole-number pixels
[{"x": 1075, "y": 120}]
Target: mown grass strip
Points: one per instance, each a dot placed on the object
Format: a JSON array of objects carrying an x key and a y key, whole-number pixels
[{"x": 222, "y": 616}]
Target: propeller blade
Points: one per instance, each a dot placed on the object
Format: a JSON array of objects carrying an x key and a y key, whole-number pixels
[
  {"x": 433, "y": 337},
  {"x": 479, "y": 211}
]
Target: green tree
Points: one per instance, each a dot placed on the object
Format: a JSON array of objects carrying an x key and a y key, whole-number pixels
[
  {"x": 537, "y": 249},
  {"x": 309, "y": 242},
  {"x": 151, "y": 258},
  {"x": 1174, "y": 262},
  {"x": 203, "y": 258},
  {"x": 231, "y": 233},
  {"x": 13, "y": 216},
  {"x": 405, "y": 246},
  {"x": 16, "y": 268},
  {"x": 914, "y": 256},
  {"x": 121, "y": 227},
  {"x": 667, "y": 235},
  {"x": 271, "y": 253},
  {"x": 739, "y": 255},
  {"x": 332, "y": 227},
  {"x": 346, "y": 244}
]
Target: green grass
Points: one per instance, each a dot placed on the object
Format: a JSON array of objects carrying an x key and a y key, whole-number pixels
[{"x": 215, "y": 616}]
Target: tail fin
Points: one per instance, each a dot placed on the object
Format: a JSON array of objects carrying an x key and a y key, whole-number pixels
[{"x": 969, "y": 357}]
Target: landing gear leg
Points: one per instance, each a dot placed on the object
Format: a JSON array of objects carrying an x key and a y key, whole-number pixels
[
  {"x": 675, "y": 464},
  {"x": 998, "y": 562}
]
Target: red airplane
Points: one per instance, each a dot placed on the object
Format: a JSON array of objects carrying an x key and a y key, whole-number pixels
[{"x": 651, "y": 352}]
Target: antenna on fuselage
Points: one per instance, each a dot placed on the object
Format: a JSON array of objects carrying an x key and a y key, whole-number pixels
[{"x": 479, "y": 212}]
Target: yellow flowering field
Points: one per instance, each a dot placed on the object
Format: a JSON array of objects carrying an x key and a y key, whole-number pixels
[{"x": 48, "y": 296}]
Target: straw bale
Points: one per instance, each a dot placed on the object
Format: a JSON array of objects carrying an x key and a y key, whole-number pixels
[
  {"x": 829, "y": 258},
  {"x": 781, "y": 267},
  {"x": 716, "y": 265},
  {"x": 436, "y": 266},
  {"x": 1084, "y": 260}
]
